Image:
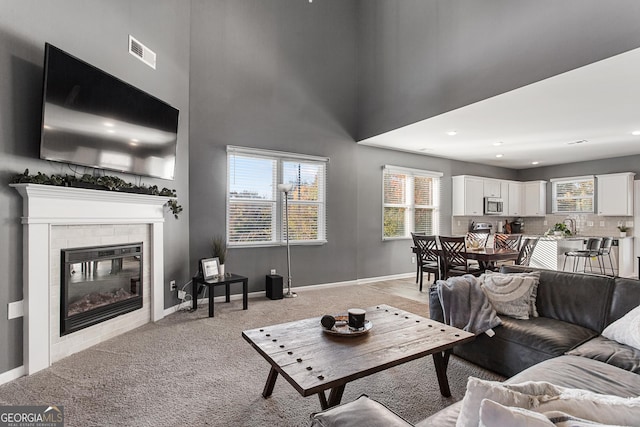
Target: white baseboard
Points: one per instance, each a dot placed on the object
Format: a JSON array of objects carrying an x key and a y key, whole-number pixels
[
  {"x": 11, "y": 375},
  {"x": 234, "y": 297}
]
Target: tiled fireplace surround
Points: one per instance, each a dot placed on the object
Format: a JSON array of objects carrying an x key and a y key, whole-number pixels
[{"x": 55, "y": 218}]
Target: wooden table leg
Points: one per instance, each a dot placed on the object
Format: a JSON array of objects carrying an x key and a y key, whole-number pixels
[
  {"x": 323, "y": 401},
  {"x": 210, "y": 301},
  {"x": 245, "y": 294},
  {"x": 335, "y": 396},
  {"x": 271, "y": 382},
  {"x": 441, "y": 360}
]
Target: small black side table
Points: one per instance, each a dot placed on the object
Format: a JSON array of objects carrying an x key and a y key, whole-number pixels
[{"x": 226, "y": 281}]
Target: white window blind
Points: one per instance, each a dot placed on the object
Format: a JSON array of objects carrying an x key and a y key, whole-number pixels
[
  {"x": 411, "y": 200},
  {"x": 573, "y": 194},
  {"x": 255, "y": 208}
]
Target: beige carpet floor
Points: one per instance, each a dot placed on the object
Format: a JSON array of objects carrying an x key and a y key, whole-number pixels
[{"x": 191, "y": 370}]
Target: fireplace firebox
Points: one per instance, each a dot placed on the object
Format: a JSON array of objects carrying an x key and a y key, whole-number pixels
[{"x": 99, "y": 283}]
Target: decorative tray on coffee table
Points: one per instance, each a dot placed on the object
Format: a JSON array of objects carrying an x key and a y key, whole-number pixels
[{"x": 342, "y": 328}]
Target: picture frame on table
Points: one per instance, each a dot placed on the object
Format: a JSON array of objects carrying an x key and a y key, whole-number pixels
[{"x": 210, "y": 268}]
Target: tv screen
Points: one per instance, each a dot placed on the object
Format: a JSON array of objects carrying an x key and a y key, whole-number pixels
[{"x": 92, "y": 118}]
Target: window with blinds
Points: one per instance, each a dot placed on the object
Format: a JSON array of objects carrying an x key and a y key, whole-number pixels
[
  {"x": 410, "y": 202},
  {"x": 255, "y": 208},
  {"x": 571, "y": 195}
]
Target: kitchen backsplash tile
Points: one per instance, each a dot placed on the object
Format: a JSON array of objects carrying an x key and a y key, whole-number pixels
[{"x": 586, "y": 224}]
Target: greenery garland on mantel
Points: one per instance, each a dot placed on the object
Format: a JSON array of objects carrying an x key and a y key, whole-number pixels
[{"x": 105, "y": 183}]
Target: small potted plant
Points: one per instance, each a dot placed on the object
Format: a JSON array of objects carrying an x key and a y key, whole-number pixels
[
  {"x": 219, "y": 250},
  {"x": 561, "y": 229},
  {"x": 623, "y": 230}
]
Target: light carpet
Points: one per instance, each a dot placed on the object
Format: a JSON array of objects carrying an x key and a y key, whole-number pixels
[{"x": 191, "y": 370}]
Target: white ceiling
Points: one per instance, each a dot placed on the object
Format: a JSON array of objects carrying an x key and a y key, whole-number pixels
[{"x": 598, "y": 103}]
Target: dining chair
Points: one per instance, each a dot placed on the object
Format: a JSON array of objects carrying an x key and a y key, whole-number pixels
[
  {"x": 526, "y": 250},
  {"x": 591, "y": 251},
  {"x": 454, "y": 257},
  {"x": 507, "y": 241},
  {"x": 481, "y": 237},
  {"x": 427, "y": 255},
  {"x": 605, "y": 249}
]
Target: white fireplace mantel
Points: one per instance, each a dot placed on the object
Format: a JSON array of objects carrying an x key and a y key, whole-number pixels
[{"x": 45, "y": 206}]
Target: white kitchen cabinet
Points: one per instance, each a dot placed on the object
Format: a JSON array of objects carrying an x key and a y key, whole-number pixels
[
  {"x": 535, "y": 198},
  {"x": 615, "y": 194},
  {"x": 492, "y": 188},
  {"x": 515, "y": 202},
  {"x": 467, "y": 195}
]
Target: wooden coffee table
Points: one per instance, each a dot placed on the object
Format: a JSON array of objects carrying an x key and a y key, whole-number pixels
[{"x": 313, "y": 361}]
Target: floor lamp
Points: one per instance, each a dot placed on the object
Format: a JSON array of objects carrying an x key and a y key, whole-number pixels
[{"x": 286, "y": 188}]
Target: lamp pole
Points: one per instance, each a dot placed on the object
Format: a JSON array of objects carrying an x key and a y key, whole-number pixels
[{"x": 286, "y": 188}]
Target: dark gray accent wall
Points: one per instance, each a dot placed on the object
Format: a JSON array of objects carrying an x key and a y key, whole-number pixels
[
  {"x": 278, "y": 75},
  {"x": 422, "y": 58},
  {"x": 97, "y": 32}
]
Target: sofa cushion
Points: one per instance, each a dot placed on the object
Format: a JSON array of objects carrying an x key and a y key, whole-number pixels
[
  {"x": 611, "y": 352},
  {"x": 519, "y": 344},
  {"x": 542, "y": 396},
  {"x": 362, "y": 411},
  {"x": 579, "y": 298},
  {"x": 565, "y": 371}
]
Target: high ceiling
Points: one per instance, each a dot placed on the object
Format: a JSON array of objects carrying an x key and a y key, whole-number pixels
[{"x": 585, "y": 114}]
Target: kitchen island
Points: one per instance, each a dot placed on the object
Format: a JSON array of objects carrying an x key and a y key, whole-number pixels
[{"x": 549, "y": 254}]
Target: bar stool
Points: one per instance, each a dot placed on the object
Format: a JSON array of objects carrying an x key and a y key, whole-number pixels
[
  {"x": 592, "y": 250},
  {"x": 605, "y": 249}
]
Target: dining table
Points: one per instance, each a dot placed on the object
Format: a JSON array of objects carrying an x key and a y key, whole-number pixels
[{"x": 486, "y": 257}]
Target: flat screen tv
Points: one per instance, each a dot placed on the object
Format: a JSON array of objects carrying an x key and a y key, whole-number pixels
[{"x": 92, "y": 118}]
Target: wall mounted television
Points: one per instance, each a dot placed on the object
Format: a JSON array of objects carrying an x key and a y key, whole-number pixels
[{"x": 92, "y": 118}]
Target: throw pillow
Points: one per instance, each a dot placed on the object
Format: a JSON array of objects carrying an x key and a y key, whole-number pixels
[
  {"x": 494, "y": 414},
  {"x": 512, "y": 294},
  {"x": 545, "y": 397},
  {"x": 362, "y": 411},
  {"x": 625, "y": 330}
]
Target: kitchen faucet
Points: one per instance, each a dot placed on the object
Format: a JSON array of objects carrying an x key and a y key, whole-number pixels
[{"x": 572, "y": 225}]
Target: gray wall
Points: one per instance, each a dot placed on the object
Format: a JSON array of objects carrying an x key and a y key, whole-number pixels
[
  {"x": 421, "y": 58},
  {"x": 279, "y": 75},
  {"x": 97, "y": 32}
]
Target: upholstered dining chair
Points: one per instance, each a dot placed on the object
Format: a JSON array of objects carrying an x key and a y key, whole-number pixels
[
  {"x": 591, "y": 251},
  {"x": 454, "y": 257},
  {"x": 526, "y": 250},
  {"x": 427, "y": 255}
]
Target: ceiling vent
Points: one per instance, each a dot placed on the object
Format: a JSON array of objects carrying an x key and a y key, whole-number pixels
[{"x": 142, "y": 52}]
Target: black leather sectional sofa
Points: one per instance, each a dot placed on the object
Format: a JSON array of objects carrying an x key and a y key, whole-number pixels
[{"x": 563, "y": 346}]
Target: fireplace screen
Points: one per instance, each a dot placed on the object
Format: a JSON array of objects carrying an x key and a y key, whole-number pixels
[{"x": 99, "y": 283}]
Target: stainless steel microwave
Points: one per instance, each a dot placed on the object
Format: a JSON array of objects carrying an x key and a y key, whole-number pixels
[{"x": 493, "y": 206}]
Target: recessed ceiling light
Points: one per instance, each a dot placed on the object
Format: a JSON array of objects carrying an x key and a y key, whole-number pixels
[
  {"x": 109, "y": 124},
  {"x": 497, "y": 144},
  {"x": 111, "y": 131},
  {"x": 499, "y": 155},
  {"x": 535, "y": 163},
  {"x": 635, "y": 132},
  {"x": 452, "y": 133}
]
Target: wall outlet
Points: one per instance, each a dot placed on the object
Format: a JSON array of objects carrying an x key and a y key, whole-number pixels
[
  {"x": 545, "y": 222},
  {"x": 629, "y": 223},
  {"x": 601, "y": 223},
  {"x": 273, "y": 271},
  {"x": 413, "y": 259},
  {"x": 589, "y": 223},
  {"x": 172, "y": 285},
  {"x": 182, "y": 295}
]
